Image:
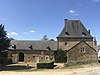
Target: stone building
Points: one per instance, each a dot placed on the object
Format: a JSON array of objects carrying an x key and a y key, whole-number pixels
[
  {"x": 77, "y": 41},
  {"x": 74, "y": 39},
  {"x": 31, "y": 51}
]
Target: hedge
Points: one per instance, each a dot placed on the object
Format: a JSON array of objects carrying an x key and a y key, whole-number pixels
[{"x": 45, "y": 65}]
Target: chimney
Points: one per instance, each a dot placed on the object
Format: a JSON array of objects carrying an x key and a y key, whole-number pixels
[
  {"x": 65, "y": 21},
  {"x": 89, "y": 31},
  {"x": 94, "y": 41}
]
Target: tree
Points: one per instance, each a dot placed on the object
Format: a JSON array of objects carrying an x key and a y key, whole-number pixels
[
  {"x": 45, "y": 38},
  {"x": 52, "y": 40},
  {"x": 4, "y": 40},
  {"x": 4, "y": 44},
  {"x": 11, "y": 38},
  {"x": 60, "y": 56}
]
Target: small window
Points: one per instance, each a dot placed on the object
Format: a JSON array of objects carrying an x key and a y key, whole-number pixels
[
  {"x": 83, "y": 49},
  {"x": 48, "y": 48},
  {"x": 30, "y": 47},
  {"x": 66, "y": 33},
  {"x": 42, "y": 52},
  {"x": 41, "y": 57},
  {"x": 47, "y": 58},
  {"x": 83, "y": 34},
  {"x": 33, "y": 56},
  {"x": 65, "y": 43},
  {"x": 14, "y": 46}
]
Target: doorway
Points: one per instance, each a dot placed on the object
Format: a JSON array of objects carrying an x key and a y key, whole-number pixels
[{"x": 21, "y": 57}]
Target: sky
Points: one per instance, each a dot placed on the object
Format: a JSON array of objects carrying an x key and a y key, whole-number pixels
[{"x": 32, "y": 19}]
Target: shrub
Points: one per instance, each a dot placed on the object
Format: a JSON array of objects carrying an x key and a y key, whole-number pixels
[
  {"x": 45, "y": 65},
  {"x": 60, "y": 56}
]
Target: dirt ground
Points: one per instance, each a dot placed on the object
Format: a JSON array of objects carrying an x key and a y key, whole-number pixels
[{"x": 92, "y": 69}]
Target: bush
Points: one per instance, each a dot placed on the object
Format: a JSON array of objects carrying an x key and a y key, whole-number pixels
[
  {"x": 60, "y": 56},
  {"x": 45, "y": 65}
]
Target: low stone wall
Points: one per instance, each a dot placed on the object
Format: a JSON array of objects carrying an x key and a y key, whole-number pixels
[{"x": 83, "y": 59}]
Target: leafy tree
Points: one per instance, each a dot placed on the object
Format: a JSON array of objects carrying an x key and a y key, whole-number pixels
[
  {"x": 60, "y": 56},
  {"x": 11, "y": 38},
  {"x": 4, "y": 44},
  {"x": 45, "y": 38},
  {"x": 52, "y": 40},
  {"x": 4, "y": 40}
]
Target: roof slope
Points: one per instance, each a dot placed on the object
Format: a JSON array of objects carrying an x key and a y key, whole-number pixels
[
  {"x": 37, "y": 45},
  {"x": 74, "y": 28}
]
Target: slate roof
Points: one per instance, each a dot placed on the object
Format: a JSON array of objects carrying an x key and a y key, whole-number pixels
[
  {"x": 74, "y": 28},
  {"x": 37, "y": 45}
]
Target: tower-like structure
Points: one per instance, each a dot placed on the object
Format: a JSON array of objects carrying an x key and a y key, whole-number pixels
[{"x": 72, "y": 33}]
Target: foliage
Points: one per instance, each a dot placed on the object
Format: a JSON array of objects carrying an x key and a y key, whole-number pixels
[
  {"x": 45, "y": 38},
  {"x": 60, "y": 56},
  {"x": 11, "y": 38},
  {"x": 52, "y": 40},
  {"x": 4, "y": 44},
  {"x": 4, "y": 40},
  {"x": 15, "y": 68},
  {"x": 45, "y": 65}
]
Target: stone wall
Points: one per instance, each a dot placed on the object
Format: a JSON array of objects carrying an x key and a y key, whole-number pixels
[
  {"x": 30, "y": 56},
  {"x": 71, "y": 43},
  {"x": 76, "y": 55}
]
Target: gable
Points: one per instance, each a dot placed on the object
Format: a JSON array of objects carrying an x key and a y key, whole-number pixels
[
  {"x": 80, "y": 45},
  {"x": 82, "y": 52}
]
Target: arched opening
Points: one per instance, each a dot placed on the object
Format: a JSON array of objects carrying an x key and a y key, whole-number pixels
[{"x": 21, "y": 57}]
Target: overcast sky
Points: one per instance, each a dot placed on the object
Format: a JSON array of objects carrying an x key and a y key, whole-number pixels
[{"x": 31, "y": 19}]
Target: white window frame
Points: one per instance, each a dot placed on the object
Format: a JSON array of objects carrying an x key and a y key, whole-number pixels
[{"x": 83, "y": 49}]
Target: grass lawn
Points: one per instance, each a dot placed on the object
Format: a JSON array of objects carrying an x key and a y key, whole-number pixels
[{"x": 15, "y": 68}]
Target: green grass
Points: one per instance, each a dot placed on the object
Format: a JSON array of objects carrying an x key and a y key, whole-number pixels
[
  {"x": 15, "y": 68},
  {"x": 48, "y": 61},
  {"x": 19, "y": 68},
  {"x": 80, "y": 65}
]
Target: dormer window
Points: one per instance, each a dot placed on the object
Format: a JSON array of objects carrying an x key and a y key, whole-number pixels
[
  {"x": 48, "y": 48},
  {"x": 66, "y": 33},
  {"x": 30, "y": 47},
  {"x": 83, "y": 34},
  {"x": 14, "y": 46}
]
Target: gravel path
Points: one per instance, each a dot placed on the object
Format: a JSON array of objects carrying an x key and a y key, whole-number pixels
[{"x": 87, "y": 70}]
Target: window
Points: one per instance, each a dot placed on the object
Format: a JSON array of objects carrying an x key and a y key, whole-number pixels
[
  {"x": 42, "y": 53},
  {"x": 33, "y": 56},
  {"x": 14, "y": 46},
  {"x": 46, "y": 57},
  {"x": 66, "y": 33},
  {"x": 83, "y": 49},
  {"x": 42, "y": 57},
  {"x": 65, "y": 43},
  {"x": 30, "y": 47},
  {"x": 48, "y": 48},
  {"x": 83, "y": 34}
]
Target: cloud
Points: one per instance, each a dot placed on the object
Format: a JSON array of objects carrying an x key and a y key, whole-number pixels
[
  {"x": 95, "y": 0},
  {"x": 8, "y": 33},
  {"x": 73, "y": 12},
  {"x": 32, "y": 31},
  {"x": 4, "y": 19},
  {"x": 25, "y": 32},
  {"x": 12, "y": 33},
  {"x": 29, "y": 32}
]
